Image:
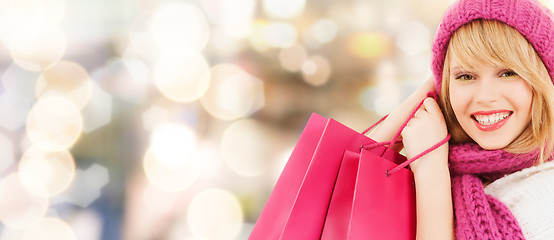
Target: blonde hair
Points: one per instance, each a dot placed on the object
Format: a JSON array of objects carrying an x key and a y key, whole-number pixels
[{"x": 493, "y": 42}]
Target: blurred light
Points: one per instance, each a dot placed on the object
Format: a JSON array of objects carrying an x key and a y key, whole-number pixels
[
  {"x": 413, "y": 38},
  {"x": 372, "y": 45},
  {"x": 98, "y": 111},
  {"x": 179, "y": 26},
  {"x": 38, "y": 52},
  {"x": 127, "y": 78},
  {"x": 87, "y": 224},
  {"x": 384, "y": 97},
  {"x": 172, "y": 144},
  {"x": 229, "y": 13},
  {"x": 182, "y": 78},
  {"x": 141, "y": 46},
  {"x": 27, "y": 18},
  {"x": 134, "y": 87},
  {"x": 284, "y": 8},
  {"x": 280, "y": 34},
  {"x": 244, "y": 148},
  {"x": 233, "y": 93},
  {"x": 86, "y": 186},
  {"x": 154, "y": 116},
  {"x": 215, "y": 214},
  {"x": 316, "y": 70},
  {"x": 171, "y": 178},
  {"x": 54, "y": 123},
  {"x": 228, "y": 43},
  {"x": 292, "y": 58},
  {"x": 6, "y": 152},
  {"x": 48, "y": 229},
  {"x": 9, "y": 233},
  {"x": 18, "y": 96},
  {"x": 171, "y": 163},
  {"x": 46, "y": 173},
  {"x": 321, "y": 32},
  {"x": 18, "y": 207},
  {"x": 279, "y": 165},
  {"x": 257, "y": 36},
  {"x": 65, "y": 79}
]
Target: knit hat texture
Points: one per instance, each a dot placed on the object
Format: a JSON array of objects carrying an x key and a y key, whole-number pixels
[{"x": 530, "y": 17}]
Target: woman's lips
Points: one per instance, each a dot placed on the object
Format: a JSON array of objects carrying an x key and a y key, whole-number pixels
[{"x": 491, "y": 120}]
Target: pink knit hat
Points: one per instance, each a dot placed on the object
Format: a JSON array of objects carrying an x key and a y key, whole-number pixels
[{"x": 532, "y": 19}]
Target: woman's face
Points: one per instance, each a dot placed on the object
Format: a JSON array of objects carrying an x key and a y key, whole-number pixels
[{"x": 491, "y": 103}]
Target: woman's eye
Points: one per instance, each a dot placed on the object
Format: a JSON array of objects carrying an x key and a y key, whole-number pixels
[
  {"x": 508, "y": 73},
  {"x": 464, "y": 77}
]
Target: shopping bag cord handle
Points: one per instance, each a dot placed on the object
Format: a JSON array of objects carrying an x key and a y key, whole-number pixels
[
  {"x": 396, "y": 139},
  {"x": 411, "y": 160}
]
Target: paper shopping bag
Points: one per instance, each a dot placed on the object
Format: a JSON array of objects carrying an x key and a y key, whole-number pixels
[
  {"x": 340, "y": 207},
  {"x": 298, "y": 204},
  {"x": 384, "y": 204}
]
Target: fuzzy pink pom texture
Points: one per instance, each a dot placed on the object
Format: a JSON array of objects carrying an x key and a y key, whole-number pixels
[{"x": 532, "y": 19}]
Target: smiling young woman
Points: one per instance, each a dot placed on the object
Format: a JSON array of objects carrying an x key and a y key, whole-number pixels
[
  {"x": 502, "y": 73},
  {"x": 493, "y": 66}
]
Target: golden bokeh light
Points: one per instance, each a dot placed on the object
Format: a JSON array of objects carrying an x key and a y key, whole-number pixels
[
  {"x": 284, "y": 8},
  {"x": 182, "y": 78},
  {"x": 280, "y": 34},
  {"x": 232, "y": 93},
  {"x": 229, "y": 13},
  {"x": 321, "y": 32},
  {"x": 372, "y": 45},
  {"x": 257, "y": 36},
  {"x": 29, "y": 17},
  {"x": 316, "y": 70},
  {"x": 18, "y": 207},
  {"x": 35, "y": 53},
  {"x": 215, "y": 214},
  {"x": 244, "y": 148},
  {"x": 171, "y": 162},
  {"x": 66, "y": 79},
  {"x": 54, "y": 123},
  {"x": 46, "y": 173},
  {"x": 413, "y": 38},
  {"x": 178, "y": 26},
  {"x": 170, "y": 178},
  {"x": 172, "y": 143},
  {"x": 49, "y": 229},
  {"x": 292, "y": 58}
]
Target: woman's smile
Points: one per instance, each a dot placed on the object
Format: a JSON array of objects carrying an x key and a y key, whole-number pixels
[{"x": 491, "y": 120}]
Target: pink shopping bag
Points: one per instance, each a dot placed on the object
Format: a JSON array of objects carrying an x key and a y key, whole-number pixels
[
  {"x": 384, "y": 204},
  {"x": 334, "y": 183},
  {"x": 298, "y": 204},
  {"x": 375, "y": 199}
]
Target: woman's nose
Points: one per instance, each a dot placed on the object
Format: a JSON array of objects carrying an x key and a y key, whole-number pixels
[{"x": 486, "y": 92}]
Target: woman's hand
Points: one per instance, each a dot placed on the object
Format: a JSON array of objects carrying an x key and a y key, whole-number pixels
[{"x": 424, "y": 130}]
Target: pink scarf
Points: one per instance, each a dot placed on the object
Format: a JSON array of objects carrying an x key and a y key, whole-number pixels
[{"x": 478, "y": 215}]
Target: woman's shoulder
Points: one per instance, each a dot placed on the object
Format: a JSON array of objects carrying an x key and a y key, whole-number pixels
[
  {"x": 529, "y": 194},
  {"x": 524, "y": 181}
]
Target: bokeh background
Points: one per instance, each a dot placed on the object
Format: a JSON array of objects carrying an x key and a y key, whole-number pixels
[{"x": 172, "y": 119}]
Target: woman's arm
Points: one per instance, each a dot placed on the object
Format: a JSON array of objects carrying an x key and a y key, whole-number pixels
[{"x": 435, "y": 217}]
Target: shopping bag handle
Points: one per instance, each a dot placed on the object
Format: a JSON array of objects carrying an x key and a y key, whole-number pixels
[{"x": 397, "y": 136}]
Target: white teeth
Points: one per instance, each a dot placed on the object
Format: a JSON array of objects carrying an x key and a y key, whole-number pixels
[{"x": 492, "y": 118}]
